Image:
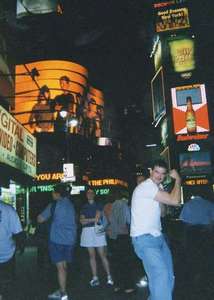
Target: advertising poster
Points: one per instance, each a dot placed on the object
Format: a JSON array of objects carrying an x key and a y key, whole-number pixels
[
  {"x": 17, "y": 145},
  {"x": 45, "y": 88},
  {"x": 172, "y": 19},
  {"x": 95, "y": 111},
  {"x": 195, "y": 163},
  {"x": 158, "y": 95},
  {"x": 190, "y": 112},
  {"x": 182, "y": 52},
  {"x": 32, "y": 7}
]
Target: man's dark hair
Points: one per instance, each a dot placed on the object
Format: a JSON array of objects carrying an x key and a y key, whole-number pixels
[
  {"x": 65, "y": 78},
  {"x": 62, "y": 189},
  {"x": 160, "y": 163}
]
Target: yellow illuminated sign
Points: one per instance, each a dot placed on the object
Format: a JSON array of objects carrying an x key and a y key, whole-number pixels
[
  {"x": 107, "y": 181},
  {"x": 182, "y": 54},
  {"x": 201, "y": 181},
  {"x": 49, "y": 176}
]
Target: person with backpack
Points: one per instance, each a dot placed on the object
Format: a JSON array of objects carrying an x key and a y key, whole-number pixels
[{"x": 62, "y": 235}]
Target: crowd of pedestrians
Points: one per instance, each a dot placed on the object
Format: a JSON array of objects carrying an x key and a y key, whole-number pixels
[{"x": 116, "y": 233}]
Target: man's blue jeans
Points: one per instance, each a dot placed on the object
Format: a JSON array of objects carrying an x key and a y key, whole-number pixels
[{"x": 157, "y": 260}]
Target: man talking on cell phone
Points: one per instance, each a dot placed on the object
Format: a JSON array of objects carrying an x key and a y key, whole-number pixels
[{"x": 146, "y": 232}]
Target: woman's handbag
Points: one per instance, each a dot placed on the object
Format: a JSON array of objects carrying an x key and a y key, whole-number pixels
[{"x": 101, "y": 225}]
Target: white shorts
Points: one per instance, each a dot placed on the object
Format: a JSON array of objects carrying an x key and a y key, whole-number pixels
[{"x": 90, "y": 239}]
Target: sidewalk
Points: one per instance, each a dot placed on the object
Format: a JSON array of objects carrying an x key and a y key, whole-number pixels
[{"x": 32, "y": 284}]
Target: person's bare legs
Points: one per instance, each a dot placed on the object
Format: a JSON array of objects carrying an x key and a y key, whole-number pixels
[
  {"x": 92, "y": 259},
  {"x": 62, "y": 275},
  {"x": 102, "y": 254}
]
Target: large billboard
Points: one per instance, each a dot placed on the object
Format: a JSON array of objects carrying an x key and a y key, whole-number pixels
[
  {"x": 46, "y": 89},
  {"x": 158, "y": 95},
  {"x": 182, "y": 53},
  {"x": 169, "y": 19},
  {"x": 17, "y": 145},
  {"x": 190, "y": 112}
]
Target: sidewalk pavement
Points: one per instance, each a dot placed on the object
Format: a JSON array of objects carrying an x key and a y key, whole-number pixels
[{"x": 33, "y": 283}]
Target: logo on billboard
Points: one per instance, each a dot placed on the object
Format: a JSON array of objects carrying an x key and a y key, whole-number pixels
[{"x": 193, "y": 147}]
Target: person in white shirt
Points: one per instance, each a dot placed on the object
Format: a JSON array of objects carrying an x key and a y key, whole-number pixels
[{"x": 147, "y": 238}]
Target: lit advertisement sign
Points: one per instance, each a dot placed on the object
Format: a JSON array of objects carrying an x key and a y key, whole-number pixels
[
  {"x": 158, "y": 95},
  {"x": 107, "y": 181},
  {"x": 17, "y": 145},
  {"x": 182, "y": 52},
  {"x": 95, "y": 111},
  {"x": 190, "y": 112},
  {"x": 44, "y": 88},
  {"x": 198, "y": 181},
  {"x": 172, "y": 19},
  {"x": 195, "y": 163},
  {"x": 32, "y": 7},
  {"x": 49, "y": 176}
]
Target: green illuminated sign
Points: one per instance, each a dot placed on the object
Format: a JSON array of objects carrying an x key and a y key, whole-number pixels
[
  {"x": 42, "y": 188},
  {"x": 101, "y": 192}
]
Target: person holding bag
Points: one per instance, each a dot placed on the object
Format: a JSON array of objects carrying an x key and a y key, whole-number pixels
[{"x": 90, "y": 215}]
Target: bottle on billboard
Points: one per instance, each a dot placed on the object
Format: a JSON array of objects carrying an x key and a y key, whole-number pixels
[{"x": 190, "y": 117}]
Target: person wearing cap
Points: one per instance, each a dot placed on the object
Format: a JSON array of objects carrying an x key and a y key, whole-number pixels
[
  {"x": 41, "y": 118},
  {"x": 62, "y": 235}
]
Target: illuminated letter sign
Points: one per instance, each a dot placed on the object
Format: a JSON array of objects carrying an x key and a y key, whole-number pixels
[
  {"x": 17, "y": 145},
  {"x": 182, "y": 53},
  {"x": 172, "y": 19}
]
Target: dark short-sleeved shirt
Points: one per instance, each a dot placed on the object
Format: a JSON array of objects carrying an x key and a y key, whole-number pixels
[
  {"x": 63, "y": 227},
  {"x": 198, "y": 211},
  {"x": 89, "y": 212}
]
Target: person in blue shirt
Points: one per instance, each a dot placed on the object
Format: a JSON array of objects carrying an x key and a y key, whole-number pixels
[
  {"x": 62, "y": 235},
  {"x": 197, "y": 216},
  {"x": 11, "y": 234},
  {"x": 90, "y": 214}
]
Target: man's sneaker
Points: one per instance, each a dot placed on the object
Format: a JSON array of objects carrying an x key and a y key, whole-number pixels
[
  {"x": 94, "y": 282},
  {"x": 58, "y": 295},
  {"x": 110, "y": 280}
]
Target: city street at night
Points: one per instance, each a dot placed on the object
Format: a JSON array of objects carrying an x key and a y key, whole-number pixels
[{"x": 106, "y": 149}]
